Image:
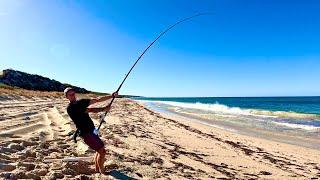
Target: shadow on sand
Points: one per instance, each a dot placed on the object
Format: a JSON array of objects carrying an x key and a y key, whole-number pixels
[{"x": 119, "y": 175}]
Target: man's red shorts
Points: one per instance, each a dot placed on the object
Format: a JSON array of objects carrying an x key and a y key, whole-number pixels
[{"x": 93, "y": 141}]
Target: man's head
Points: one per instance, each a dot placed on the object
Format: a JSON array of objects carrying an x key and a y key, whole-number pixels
[{"x": 70, "y": 94}]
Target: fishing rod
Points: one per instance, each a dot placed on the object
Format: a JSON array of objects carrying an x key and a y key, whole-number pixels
[{"x": 158, "y": 37}]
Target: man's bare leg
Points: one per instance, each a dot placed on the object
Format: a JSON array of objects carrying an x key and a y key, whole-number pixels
[
  {"x": 96, "y": 161},
  {"x": 101, "y": 155}
]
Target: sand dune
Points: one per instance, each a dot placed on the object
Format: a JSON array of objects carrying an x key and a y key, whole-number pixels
[{"x": 141, "y": 144}]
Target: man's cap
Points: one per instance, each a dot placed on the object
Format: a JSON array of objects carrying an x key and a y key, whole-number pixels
[{"x": 67, "y": 90}]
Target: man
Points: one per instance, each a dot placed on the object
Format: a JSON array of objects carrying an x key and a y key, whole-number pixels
[{"x": 78, "y": 111}]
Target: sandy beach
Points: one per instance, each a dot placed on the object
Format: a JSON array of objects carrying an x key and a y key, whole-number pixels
[{"x": 35, "y": 143}]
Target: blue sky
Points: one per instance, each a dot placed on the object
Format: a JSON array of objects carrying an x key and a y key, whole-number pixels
[{"x": 248, "y": 48}]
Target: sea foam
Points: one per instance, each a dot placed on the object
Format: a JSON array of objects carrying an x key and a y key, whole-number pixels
[
  {"x": 298, "y": 126},
  {"x": 224, "y": 109}
]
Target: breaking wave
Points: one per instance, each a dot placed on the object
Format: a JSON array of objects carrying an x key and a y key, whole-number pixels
[
  {"x": 298, "y": 126},
  {"x": 223, "y": 109}
]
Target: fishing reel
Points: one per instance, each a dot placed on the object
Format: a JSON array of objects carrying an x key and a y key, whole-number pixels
[
  {"x": 96, "y": 130},
  {"x": 102, "y": 116}
]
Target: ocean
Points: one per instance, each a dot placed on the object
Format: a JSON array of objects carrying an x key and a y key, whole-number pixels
[{"x": 294, "y": 120}]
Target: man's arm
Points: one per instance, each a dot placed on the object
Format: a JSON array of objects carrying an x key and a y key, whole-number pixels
[
  {"x": 96, "y": 110},
  {"x": 104, "y": 98}
]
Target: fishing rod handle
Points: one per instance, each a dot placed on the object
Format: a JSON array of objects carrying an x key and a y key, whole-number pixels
[{"x": 105, "y": 114}]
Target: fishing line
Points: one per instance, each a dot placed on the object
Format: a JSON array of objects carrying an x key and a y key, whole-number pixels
[{"x": 158, "y": 37}]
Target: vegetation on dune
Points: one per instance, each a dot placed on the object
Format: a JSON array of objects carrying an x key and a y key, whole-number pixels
[
  {"x": 6, "y": 86},
  {"x": 9, "y": 90}
]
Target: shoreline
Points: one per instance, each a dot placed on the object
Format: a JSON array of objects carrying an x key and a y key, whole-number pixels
[{"x": 311, "y": 142}]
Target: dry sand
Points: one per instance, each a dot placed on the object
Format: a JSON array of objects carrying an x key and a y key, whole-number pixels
[{"x": 34, "y": 144}]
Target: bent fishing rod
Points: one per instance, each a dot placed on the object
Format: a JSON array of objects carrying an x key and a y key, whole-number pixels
[{"x": 158, "y": 37}]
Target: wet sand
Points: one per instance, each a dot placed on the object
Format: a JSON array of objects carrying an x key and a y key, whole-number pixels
[{"x": 312, "y": 142}]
